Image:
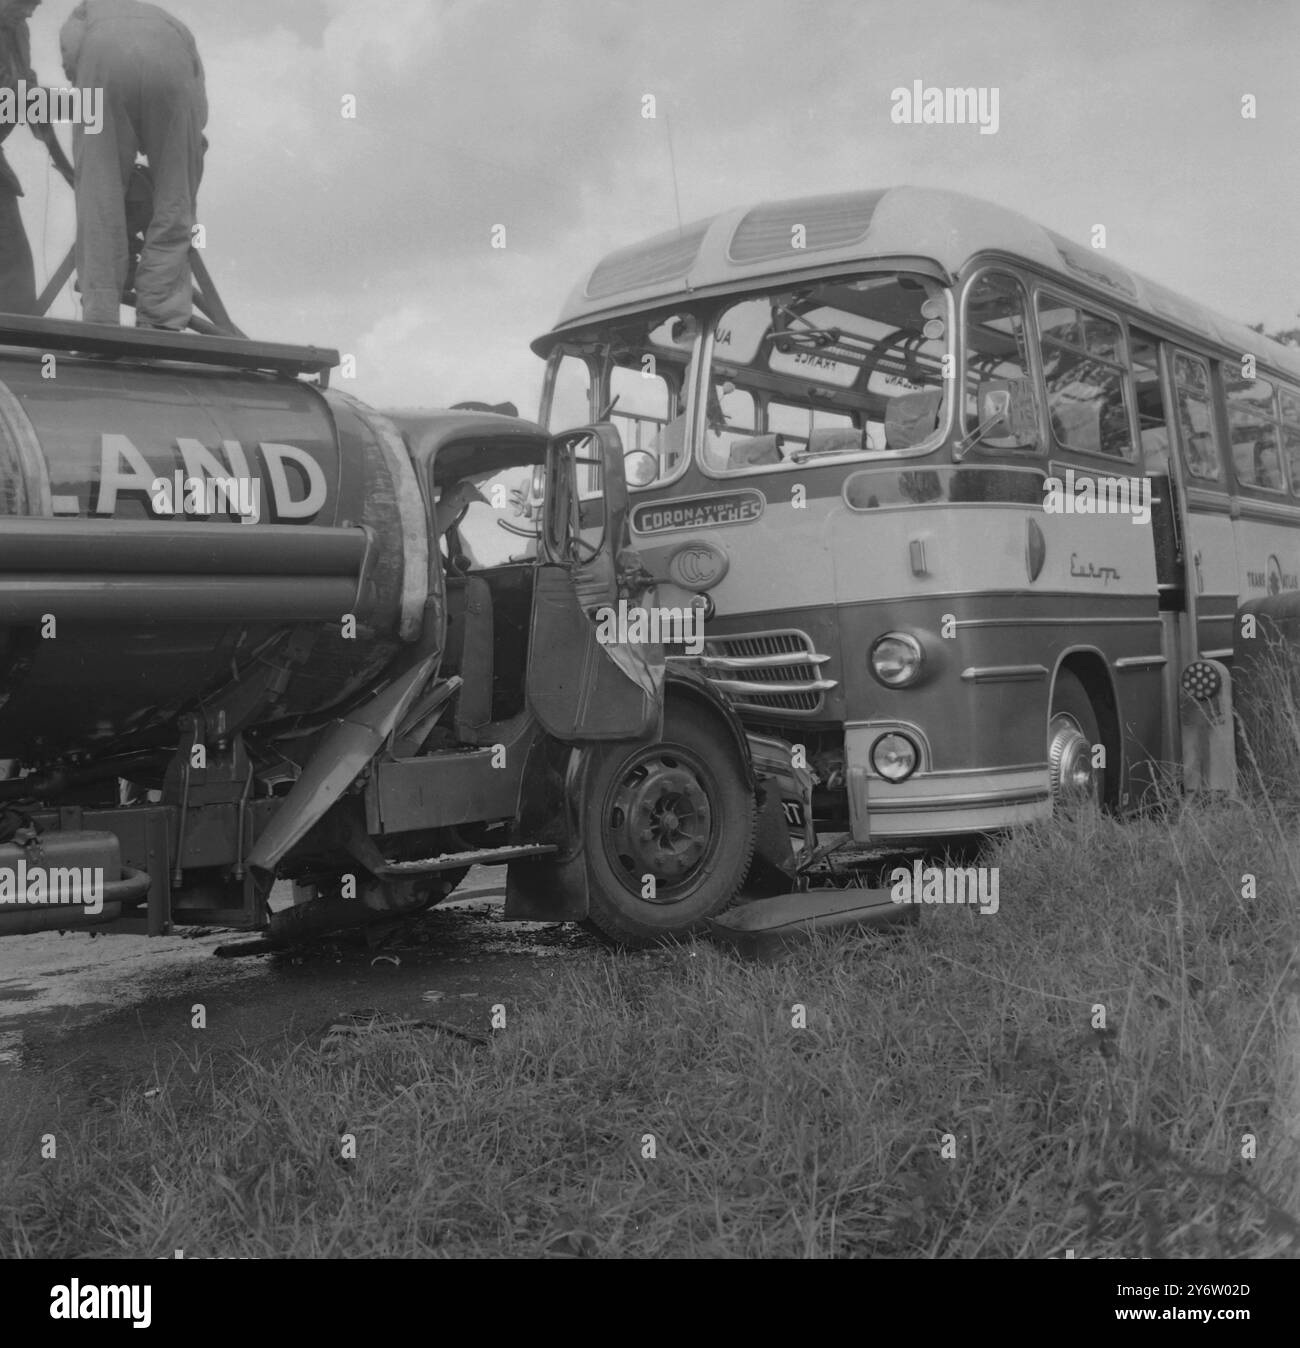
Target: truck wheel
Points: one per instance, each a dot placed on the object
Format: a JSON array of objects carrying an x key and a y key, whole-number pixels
[
  {"x": 669, "y": 830},
  {"x": 1072, "y": 730}
]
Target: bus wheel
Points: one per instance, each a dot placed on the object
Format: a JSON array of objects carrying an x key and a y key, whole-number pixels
[
  {"x": 669, "y": 830},
  {"x": 1072, "y": 731}
]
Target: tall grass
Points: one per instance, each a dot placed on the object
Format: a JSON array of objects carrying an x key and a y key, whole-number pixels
[
  {"x": 1267, "y": 705},
  {"x": 1108, "y": 1065}
]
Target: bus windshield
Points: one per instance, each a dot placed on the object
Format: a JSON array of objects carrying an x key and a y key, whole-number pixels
[
  {"x": 832, "y": 368},
  {"x": 633, "y": 373},
  {"x": 840, "y": 367}
]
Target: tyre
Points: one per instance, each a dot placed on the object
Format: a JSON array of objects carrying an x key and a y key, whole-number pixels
[
  {"x": 1072, "y": 730},
  {"x": 679, "y": 812}
]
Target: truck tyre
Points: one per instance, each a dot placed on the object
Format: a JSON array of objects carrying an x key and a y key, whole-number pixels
[
  {"x": 1072, "y": 730},
  {"x": 673, "y": 820}
]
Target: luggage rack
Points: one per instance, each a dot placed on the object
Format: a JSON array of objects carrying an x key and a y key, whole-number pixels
[{"x": 97, "y": 339}]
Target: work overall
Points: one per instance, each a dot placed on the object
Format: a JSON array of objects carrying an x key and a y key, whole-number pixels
[{"x": 155, "y": 103}]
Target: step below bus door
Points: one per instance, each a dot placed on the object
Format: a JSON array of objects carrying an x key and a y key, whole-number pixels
[{"x": 591, "y": 673}]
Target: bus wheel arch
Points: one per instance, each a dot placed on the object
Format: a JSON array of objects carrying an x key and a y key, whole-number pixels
[
  {"x": 1083, "y": 708},
  {"x": 685, "y": 685}
]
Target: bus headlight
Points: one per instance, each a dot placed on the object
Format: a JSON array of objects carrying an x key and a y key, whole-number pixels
[
  {"x": 894, "y": 757},
  {"x": 896, "y": 659}
]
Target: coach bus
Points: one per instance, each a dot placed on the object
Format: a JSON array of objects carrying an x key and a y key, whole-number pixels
[{"x": 959, "y": 499}]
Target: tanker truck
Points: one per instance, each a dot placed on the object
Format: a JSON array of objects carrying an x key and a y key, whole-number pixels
[{"x": 243, "y": 641}]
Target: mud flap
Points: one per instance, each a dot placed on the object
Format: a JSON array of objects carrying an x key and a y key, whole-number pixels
[{"x": 547, "y": 891}]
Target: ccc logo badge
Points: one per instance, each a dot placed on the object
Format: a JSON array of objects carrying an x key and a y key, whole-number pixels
[{"x": 698, "y": 566}]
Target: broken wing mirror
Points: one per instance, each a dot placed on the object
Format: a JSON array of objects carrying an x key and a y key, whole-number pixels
[
  {"x": 995, "y": 411},
  {"x": 1006, "y": 412}
]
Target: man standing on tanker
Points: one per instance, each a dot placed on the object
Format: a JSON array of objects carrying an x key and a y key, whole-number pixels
[
  {"x": 155, "y": 103},
  {"x": 17, "y": 274}
]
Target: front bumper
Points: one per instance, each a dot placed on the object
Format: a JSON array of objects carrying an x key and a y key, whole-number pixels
[{"x": 935, "y": 804}]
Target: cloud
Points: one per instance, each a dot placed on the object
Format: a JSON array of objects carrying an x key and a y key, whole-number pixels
[{"x": 374, "y": 233}]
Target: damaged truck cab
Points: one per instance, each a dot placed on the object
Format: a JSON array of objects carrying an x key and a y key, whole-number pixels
[{"x": 245, "y": 638}]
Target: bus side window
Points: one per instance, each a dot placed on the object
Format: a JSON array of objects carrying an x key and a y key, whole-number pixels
[
  {"x": 1153, "y": 422},
  {"x": 1290, "y": 403},
  {"x": 1085, "y": 374},
  {"x": 1196, "y": 418},
  {"x": 1253, "y": 428}
]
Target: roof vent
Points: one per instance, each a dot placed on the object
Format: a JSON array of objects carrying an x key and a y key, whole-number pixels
[
  {"x": 836, "y": 221},
  {"x": 666, "y": 257}
]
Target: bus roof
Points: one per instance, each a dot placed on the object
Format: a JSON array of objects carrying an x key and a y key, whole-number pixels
[{"x": 740, "y": 248}]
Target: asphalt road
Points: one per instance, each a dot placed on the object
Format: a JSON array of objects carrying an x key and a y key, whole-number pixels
[{"x": 82, "y": 1018}]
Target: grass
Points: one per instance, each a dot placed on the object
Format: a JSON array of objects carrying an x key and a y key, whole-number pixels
[
  {"x": 1110, "y": 1064},
  {"x": 1121, "y": 1137}
]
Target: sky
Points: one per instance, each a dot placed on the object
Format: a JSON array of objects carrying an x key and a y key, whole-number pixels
[{"x": 374, "y": 234}]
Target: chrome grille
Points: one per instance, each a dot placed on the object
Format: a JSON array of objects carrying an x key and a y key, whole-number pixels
[{"x": 766, "y": 671}]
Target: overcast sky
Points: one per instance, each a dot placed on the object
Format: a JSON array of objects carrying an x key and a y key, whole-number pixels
[{"x": 374, "y": 235}]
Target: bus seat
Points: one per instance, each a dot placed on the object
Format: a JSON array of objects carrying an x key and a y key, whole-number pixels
[
  {"x": 910, "y": 418},
  {"x": 1267, "y": 465},
  {"x": 1155, "y": 450},
  {"x": 835, "y": 440},
  {"x": 754, "y": 450},
  {"x": 1077, "y": 424}
]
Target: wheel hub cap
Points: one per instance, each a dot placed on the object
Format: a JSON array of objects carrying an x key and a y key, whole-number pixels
[
  {"x": 1069, "y": 756},
  {"x": 660, "y": 823}
]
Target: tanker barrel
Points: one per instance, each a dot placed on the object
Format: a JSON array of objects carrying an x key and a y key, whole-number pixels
[
  {"x": 192, "y": 521},
  {"x": 188, "y": 548},
  {"x": 114, "y": 570},
  {"x": 181, "y": 599}
]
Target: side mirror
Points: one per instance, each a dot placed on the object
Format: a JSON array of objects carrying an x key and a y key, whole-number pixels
[
  {"x": 640, "y": 467},
  {"x": 1007, "y": 411}
]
